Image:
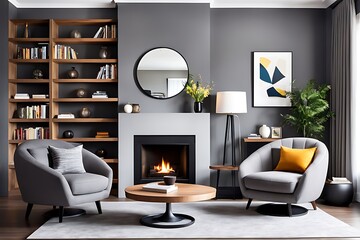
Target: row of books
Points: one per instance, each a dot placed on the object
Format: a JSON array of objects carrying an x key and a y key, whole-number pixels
[
  {"x": 31, "y": 133},
  {"x": 106, "y": 32},
  {"x": 31, "y": 53},
  {"x": 64, "y": 52},
  {"x": 33, "y": 112},
  {"x": 27, "y": 96},
  {"x": 99, "y": 94},
  {"x": 107, "y": 72}
]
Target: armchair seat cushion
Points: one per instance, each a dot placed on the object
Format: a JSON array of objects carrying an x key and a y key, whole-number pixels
[
  {"x": 86, "y": 183},
  {"x": 272, "y": 181}
]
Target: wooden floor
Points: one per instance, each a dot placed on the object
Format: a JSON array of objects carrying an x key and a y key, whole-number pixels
[{"x": 14, "y": 226}]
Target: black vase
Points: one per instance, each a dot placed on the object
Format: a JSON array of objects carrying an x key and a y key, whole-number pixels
[
  {"x": 198, "y": 106},
  {"x": 68, "y": 134}
]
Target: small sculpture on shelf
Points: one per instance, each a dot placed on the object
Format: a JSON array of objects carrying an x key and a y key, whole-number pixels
[
  {"x": 26, "y": 30},
  {"x": 81, "y": 93},
  {"x": 104, "y": 53},
  {"x": 38, "y": 74},
  {"x": 135, "y": 108},
  {"x": 101, "y": 153},
  {"x": 85, "y": 112},
  {"x": 75, "y": 34},
  {"x": 72, "y": 73},
  {"x": 68, "y": 134}
]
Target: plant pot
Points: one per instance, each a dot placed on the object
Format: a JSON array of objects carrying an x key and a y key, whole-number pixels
[{"x": 198, "y": 107}]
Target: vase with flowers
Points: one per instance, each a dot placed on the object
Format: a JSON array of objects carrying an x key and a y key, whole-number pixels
[{"x": 198, "y": 90}]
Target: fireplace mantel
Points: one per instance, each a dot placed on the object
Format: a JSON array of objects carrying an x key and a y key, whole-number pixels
[{"x": 197, "y": 124}]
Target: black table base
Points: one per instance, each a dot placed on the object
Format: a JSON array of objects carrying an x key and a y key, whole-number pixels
[
  {"x": 281, "y": 210},
  {"x": 168, "y": 219}
]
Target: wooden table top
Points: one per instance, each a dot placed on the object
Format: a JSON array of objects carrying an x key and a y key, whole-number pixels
[{"x": 185, "y": 193}]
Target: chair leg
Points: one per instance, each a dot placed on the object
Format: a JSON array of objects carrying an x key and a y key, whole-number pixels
[
  {"x": 98, "y": 206},
  {"x": 289, "y": 209},
  {"x": 28, "y": 210},
  {"x": 313, "y": 203},
  {"x": 248, "y": 203},
  {"x": 61, "y": 213}
]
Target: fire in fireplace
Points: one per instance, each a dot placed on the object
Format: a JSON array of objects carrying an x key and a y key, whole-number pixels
[{"x": 157, "y": 155}]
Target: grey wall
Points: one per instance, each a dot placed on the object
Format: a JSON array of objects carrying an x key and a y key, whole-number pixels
[
  {"x": 236, "y": 33},
  {"x": 183, "y": 27}
]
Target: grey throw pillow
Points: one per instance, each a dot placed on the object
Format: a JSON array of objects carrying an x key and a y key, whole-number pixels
[
  {"x": 41, "y": 155},
  {"x": 67, "y": 160}
]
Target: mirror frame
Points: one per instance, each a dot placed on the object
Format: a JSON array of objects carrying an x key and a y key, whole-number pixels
[{"x": 136, "y": 66}]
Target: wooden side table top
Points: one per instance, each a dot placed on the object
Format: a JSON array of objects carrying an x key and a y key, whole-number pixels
[
  {"x": 185, "y": 193},
  {"x": 261, "y": 139},
  {"x": 224, "y": 167}
]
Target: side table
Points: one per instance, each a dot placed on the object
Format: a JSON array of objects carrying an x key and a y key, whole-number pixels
[
  {"x": 339, "y": 194},
  {"x": 219, "y": 168}
]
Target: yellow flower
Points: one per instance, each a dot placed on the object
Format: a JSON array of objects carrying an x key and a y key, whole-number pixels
[{"x": 198, "y": 90}]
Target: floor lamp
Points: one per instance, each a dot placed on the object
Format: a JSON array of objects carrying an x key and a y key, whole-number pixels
[{"x": 230, "y": 103}]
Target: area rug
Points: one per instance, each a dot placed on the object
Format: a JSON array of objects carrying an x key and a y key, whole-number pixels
[{"x": 213, "y": 219}]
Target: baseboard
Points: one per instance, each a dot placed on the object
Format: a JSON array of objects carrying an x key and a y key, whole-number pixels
[{"x": 228, "y": 193}]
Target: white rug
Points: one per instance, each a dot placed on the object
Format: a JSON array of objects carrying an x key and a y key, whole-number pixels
[{"x": 213, "y": 219}]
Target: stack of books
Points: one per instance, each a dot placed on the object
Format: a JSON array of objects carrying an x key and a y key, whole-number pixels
[
  {"x": 254, "y": 136},
  {"x": 106, "y": 32},
  {"x": 99, "y": 94},
  {"x": 22, "y": 96},
  {"x": 159, "y": 187},
  {"x": 338, "y": 180},
  {"x": 31, "y": 53},
  {"x": 40, "y": 96},
  {"x": 102, "y": 134},
  {"x": 65, "y": 116},
  {"x": 107, "y": 72}
]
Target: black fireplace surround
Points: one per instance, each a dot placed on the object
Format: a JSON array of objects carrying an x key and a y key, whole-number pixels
[{"x": 151, "y": 150}]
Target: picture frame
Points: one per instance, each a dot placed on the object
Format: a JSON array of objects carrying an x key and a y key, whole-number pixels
[
  {"x": 276, "y": 132},
  {"x": 272, "y": 78}
]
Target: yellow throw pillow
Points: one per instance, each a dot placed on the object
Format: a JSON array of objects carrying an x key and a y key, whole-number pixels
[{"x": 295, "y": 160}]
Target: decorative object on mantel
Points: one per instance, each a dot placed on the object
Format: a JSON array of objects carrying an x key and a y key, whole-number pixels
[
  {"x": 85, "y": 112},
  {"x": 276, "y": 132},
  {"x": 104, "y": 53},
  {"x": 135, "y": 108},
  {"x": 230, "y": 103},
  {"x": 272, "y": 73},
  {"x": 264, "y": 131},
  {"x": 128, "y": 108},
  {"x": 310, "y": 109},
  {"x": 81, "y": 93},
  {"x": 68, "y": 134},
  {"x": 198, "y": 91},
  {"x": 72, "y": 73},
  {"x": 75, "y": 34}
]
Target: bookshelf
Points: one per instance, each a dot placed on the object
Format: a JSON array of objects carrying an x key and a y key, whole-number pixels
[{"x": 55, "y": 83}]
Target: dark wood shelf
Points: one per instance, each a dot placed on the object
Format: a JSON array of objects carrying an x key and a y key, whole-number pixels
[
  {"x": 84, "y": 22},
  {"x": 29, "y": 80},
  {"x": 29, "y": 40},
  {"x": 85, "y": 40},
  {"x": 86, "y": 60},
  {"x": 31, "y": 21},
  {"x": 111, "y": 160},
  {"x": 24, "y": 120},
  {"x": 71, "y": 100},
  {"x": 88, "y": 139},
  {"x": 28, "y": 61},
  {"x": 31, "y": 100},
  {"x": 85, "y": 120},
  {"x": 85, "y": 80}
]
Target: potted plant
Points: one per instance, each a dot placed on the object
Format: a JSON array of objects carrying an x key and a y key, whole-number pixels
[
  {"x": 310, "y": 109},
  {"x": 198, "y": 91}
]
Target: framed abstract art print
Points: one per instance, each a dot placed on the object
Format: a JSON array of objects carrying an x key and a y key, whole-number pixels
[{"x": 272, "y": 78}]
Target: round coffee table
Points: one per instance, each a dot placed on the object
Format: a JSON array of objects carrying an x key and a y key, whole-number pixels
[{"x": 168, "y": 219}]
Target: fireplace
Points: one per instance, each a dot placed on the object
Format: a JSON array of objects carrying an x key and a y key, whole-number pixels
[{"x": 158, "y": 155}]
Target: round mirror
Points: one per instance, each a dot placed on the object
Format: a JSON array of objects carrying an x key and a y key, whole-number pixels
[{"x": 161, "y": 73}]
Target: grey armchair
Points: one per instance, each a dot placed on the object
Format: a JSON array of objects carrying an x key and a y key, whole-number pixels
[
  {"x": 41, "y": 184},
  {"x": 257, "y": 179}
]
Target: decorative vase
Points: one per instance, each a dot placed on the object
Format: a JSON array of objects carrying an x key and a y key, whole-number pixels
[
  {"x": 101, "y": 153},
  {"x": 68, "y": 134},
  {"x": 38, "y": 74},
  {"x": 264, "y": 131},
  {"x": 104, "y": 53},
  {"x": 85, "y": 112},
  {"x": 26, "y": 31},
  {"x": 135, "y": 108},
  {"x": 73, "y": 73},
  {"x": 128, "y": 108},
  {"x": 80, "y": 93},
  {"x": 198, "y": 106},
  {"x": 75, "y": 34}
]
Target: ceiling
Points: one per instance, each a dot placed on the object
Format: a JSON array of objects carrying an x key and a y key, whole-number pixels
[{"x": 213, "y": 3}]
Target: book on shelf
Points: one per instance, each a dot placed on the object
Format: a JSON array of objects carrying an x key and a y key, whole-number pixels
[
  {"x": 64, "y": 52},
  {"x": 254, "y": 136},
  {"x": 31, "y": 133},
  {"x": 22, "y": 96},
  {"x": 99, "y": 94},
  {"x": 159, "y": 187},
  {"x": 339, "y": 180},
  {"x": 31, "y": 53},
  {"x": 40, "y": 96},
  {"x": 106, "y": 32},
  {"x": 102, "y": 135},
  {"x": 33, "y": 112},
  {"x": 107, "y": 72},
  {"x": 65, "y": 116}
]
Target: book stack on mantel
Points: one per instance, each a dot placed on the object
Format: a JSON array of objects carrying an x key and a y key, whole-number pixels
[
  {"x": 22, "y": 96},
  {"x": 254, "y": 136},
  {"x": 159, "y": 187},
  {"x": 102, "y": 134},
  {"x": 65, "y": 116}
]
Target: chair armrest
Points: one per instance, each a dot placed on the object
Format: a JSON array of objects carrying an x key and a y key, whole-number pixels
[{"x": 38, "y": 183}]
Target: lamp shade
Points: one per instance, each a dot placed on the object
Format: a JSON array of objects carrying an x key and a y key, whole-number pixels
[{"x": 231, "y": 102}]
